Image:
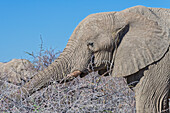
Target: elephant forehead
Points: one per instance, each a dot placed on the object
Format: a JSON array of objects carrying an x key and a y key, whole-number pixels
[
  {"x": 86, "y": 33},
  {"x": 89, "y": 36},
  {"x": 89, "y": 27}
]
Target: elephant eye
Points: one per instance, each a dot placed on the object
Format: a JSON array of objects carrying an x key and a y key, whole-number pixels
[{"x": 90, "y": 44}]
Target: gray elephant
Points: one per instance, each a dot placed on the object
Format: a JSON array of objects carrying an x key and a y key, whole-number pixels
[
  {"x": 133, "y": 43},
  {"x": 16, "y": 71}
]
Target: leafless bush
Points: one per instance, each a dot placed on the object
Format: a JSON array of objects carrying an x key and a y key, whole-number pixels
[
  {"x": 44, "y": 57},
  {"x": 92, "y": 93}
]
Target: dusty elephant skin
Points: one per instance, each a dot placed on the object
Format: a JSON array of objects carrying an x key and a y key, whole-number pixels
[
  {"x": 16, "y": 71},
  {"x": 133, "y": 43}
]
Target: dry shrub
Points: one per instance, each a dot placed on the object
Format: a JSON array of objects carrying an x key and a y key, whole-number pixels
[{"x": 92, "y": 93}]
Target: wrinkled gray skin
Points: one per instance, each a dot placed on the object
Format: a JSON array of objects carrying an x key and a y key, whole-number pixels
[{"x": 134, "y": 43}]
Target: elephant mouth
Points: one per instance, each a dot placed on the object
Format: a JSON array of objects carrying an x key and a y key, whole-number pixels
[
  {"x": 92, "y": 67},
  {"x": 85, "y": 72}
]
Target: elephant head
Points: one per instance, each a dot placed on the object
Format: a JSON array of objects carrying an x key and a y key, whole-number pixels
[{"x": 124, "y": 42}]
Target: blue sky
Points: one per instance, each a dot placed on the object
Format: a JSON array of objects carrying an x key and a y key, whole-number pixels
[{"x": 23, "y": 21}]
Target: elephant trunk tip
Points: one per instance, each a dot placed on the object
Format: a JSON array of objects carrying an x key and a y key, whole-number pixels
[{"x": 74, "y": 74}]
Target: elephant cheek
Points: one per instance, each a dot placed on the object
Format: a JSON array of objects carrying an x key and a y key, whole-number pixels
[
  {"x": 81, "y": 63},
  {"x": 103, "y": 59}
]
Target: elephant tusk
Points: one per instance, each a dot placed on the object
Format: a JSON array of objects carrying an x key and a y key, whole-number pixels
[{"x": 74, "y": 74}]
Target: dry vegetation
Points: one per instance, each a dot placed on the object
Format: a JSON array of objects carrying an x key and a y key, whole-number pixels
[{"x": 92, "y": 93}]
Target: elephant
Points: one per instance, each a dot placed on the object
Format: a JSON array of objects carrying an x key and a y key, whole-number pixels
[
  {"x": 133, "y": 43},
  {"x": 16, "y": 71}
]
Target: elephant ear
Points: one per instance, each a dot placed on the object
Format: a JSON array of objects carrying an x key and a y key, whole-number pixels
[{"x": 143, "y": 43}]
